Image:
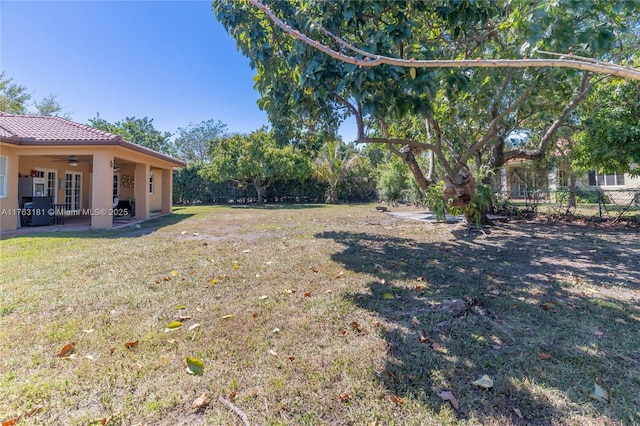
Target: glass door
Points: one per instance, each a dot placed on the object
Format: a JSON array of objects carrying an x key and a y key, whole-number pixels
[{"x": 73, "y": 191}]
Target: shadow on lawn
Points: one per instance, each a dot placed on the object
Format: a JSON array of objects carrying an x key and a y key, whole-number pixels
[
  {"x": 130, "y": 231},
  {"x": 524, "y": 304}
]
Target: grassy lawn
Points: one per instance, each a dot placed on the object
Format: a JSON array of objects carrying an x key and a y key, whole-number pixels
[{"x": 321, "y": 315}]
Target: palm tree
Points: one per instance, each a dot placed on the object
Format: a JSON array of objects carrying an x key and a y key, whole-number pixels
[{"x": 332, "y": 164}]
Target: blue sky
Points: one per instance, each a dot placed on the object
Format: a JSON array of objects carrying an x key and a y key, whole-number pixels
[{"x": 167, "y": 60}]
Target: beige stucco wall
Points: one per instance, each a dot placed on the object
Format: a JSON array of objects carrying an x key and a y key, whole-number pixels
[
  {"x": 97, "y": 178},
  {"x": 9, "y": 204},
  {"x": 155, "y": 198}
]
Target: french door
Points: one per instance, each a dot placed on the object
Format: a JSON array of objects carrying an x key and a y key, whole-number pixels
[{"x": 73, "y": 191}]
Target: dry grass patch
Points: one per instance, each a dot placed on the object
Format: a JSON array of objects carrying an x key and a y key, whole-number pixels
[{"x": 321, "y": 315}]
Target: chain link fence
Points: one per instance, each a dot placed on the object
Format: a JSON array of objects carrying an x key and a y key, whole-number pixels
[{"x": 594, "y": 204}]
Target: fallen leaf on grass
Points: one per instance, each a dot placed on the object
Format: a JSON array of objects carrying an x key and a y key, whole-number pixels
[
  {"x": 600, "y": 394},
  {"x": 89, "y": 330},
  {"x": 236, "y": 265},
  {"x": 67, "y": 350},
  {"x": 173, "y": 273},
  {"x": 598, "y": 333},
  {"x": 448, "y": 396},
  {"x": 173, "y": 326},
  {"x": 357, "y": 327},
  {"x": 422, "y": 337},
  {"x": 439, "y": 348},
  {"x": 611, "y": 305},
  {"x": 388, "y": 296},
  {"x": 340, "y": 275},
  {"x": 131, "y": 345},
  {"x": 518, "y": 412},
  {"x": 291, "y": 358},
  {"x": 307, "y": 294},
  {"x": 396, "y": 399},
  {"x": 263, "y": 297},
  {"x": 200, "y": 402},
  {"x": 226, "y": 317},
  {"x": 543, "y": 356},
  {"x": 232, "y": 396},
  {"x": 195, "y": 366},
  {"x": 547, "y": 306},
  {"x": 194, "y": 326},
  {"x": 344, "y": 397},
  {"x": 272, "y": 352},
  {"x": 484, "y": 382},
  {"x": 313, "y": 269},
  {"x": 621, "y": 321},
  {"x": 179, "y": 307}
]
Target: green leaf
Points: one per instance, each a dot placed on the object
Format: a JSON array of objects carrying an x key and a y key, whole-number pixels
[
  {"x": 484, "y": 382},
  {"x": 600, "y": 394},
  {"x": 611, "y": 305},
  {"x": 195, "y": 366},
  {"x": 180, "y": 307},
  {"x": 227, "y": 317},
  {"x": 412, "y": 73},
  {"x": 388, "y": 296},
  {"x": 174, "y": 325}
]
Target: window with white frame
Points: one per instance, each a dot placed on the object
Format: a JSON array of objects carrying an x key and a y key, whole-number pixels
[
  {"x": 3, "y": 176},
  {"x": 116, "y": 185},
  {"x": 609, "y": 179},
  {"x": 151, "y": 183},
  {"x": 51, "y": 177}
]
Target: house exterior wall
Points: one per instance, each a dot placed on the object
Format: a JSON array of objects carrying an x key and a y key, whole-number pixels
[
  {"x": 155, "y": 198},
  {"x": 9, "y": 205},
  {"x": 97, "y": 179}
]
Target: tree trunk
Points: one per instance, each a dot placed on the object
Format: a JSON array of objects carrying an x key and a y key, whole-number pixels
[
  {"x": 260, "y": 191},
  {"x": 333, "y": 194},
  {"x": 571, "y": 201}
]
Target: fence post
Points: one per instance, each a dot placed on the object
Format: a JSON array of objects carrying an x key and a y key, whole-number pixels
[{"x": 600, "y": 204}]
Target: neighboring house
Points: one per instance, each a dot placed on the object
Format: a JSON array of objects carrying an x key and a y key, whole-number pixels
[
  {"x": 80, "y": 168},
  {"x": 524, "y": 179}
]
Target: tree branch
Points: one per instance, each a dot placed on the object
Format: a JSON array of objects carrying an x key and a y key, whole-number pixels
[
  {"x": 371, "y": 60},
  {"x": 491, "y": 131},
  {"x": 538, "y": 153}
]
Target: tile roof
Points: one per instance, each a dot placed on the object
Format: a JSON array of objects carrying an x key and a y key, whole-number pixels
[{"x": 41, "y": 128}]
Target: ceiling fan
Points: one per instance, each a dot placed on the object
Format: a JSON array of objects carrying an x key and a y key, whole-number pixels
[{"x": 72, "y": 161}]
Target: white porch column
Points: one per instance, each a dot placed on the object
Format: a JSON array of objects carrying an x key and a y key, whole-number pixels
[
  {"x": 102, "y": 191},
  {"x": 504, "y": 183},
  {"x": 141, "y": 191},
  {"x": 167, "y": 190}
]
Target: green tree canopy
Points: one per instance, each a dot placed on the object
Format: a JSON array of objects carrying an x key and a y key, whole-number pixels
[
  {"x": 256, "y": 160},
  {"x": 49, "y": 106},
  {"x": 137, "y": 130},
  {"x": 464, "y": 68},
  {"x": 13, "y": 97},
  {"x": 609, "y": 139},
  {"x": 332, "y": 164},
  {"x": 195, "y": 141}
]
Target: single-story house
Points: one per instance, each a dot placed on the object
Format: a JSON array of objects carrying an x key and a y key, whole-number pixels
[
  {"x": 525, "y": 179},
  {"x": 50, "y": 165}
]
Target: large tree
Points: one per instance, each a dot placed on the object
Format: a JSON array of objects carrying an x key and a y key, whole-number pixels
[
  {"x": 137, "y": 130},
  {"x": 13, "y": 97},
  {"x": 334, "y": 160},
  {"x": 609, "y": 129},
  {"x": 195, "y": 142},
  {"x": 255, "y": 160},
  {"x": 462, "y": 69}
]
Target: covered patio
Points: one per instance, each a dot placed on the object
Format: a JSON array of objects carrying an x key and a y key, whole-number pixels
[{"x": 53, "y": 170}]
